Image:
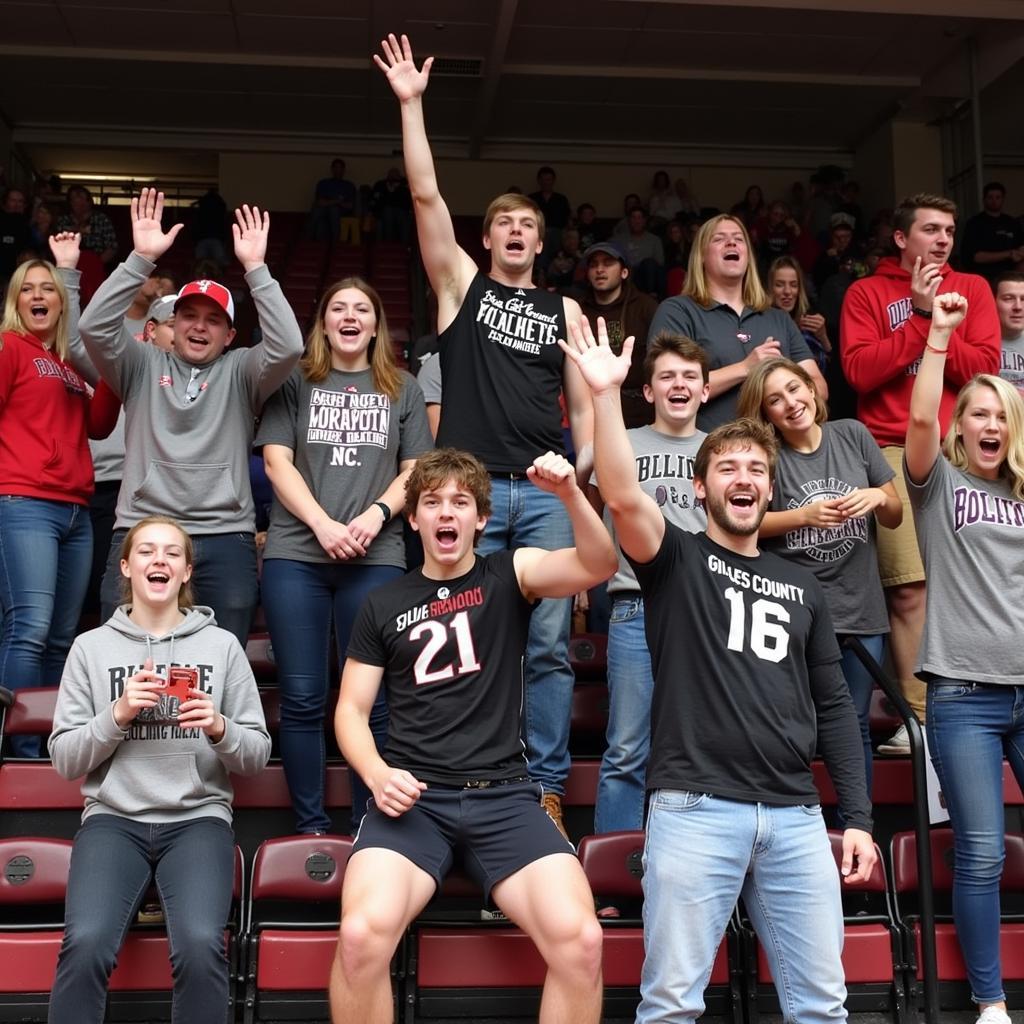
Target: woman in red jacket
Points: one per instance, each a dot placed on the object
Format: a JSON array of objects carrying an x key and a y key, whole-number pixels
[{"x": 45, "y": 474}]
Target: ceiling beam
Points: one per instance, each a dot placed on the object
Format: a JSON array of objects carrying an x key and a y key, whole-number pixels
[
  {"x": 492, "y": 75},
  {"x": 1010, "y": 10}
]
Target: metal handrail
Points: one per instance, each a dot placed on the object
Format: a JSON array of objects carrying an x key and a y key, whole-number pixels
[{"x": 922, "y": 825}]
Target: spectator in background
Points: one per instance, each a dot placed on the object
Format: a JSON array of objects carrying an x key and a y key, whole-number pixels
[
  {"x": 46, "y": 475},
  {"x": 555, "y": 207},
  {"x": 627, "y": 312},
  {"x": 158, "y": 284},
  {"x": 335, "y": 213},
  {"x": 93, "y": 225},
  {"x": 644, "y": 253},
  {"x": 1010, "y": 307},
  {"x": 825, "y": 201},
  {"x": 788, "y": 291},
  {"x": 15, "y": 235},
  {"x": 210, "y": 230},
  {"x": 885, "y": 323},
  {"x": 565, "y": 270},
  {"x": 774, "y": 234},
  {"x": 41, "y": 227},
  {"x": 840, "y": 240},
  {"x": 391, "y": 205},
  {"x": 159, "y": 329},
  {"x": 751, "y": 208},
  {"x": 586, "y": 223},
  {"x": 688, "y": 204},
  {"x": 993, "y": 241},
  {"x": 849, "y": 203},
  {"x": 630, "y": 203},
  {"x": 677, "y": 245},
  {"x": 336, "y": 523},
  {"x": 725, "y": 309},
  {"x": 201, "y": 396},
  {"x": 663, "y": 204}
]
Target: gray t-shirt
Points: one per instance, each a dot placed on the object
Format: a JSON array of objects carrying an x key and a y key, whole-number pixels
[
  {"x": 348, "y": 441},
  {"x": 1011, "y": 362},
  {"x": 844, "y": 558},
  {"x": 429, "y": 380},
  {"x": 664, "y": 467},
  {"x": 970, "y": 532}
]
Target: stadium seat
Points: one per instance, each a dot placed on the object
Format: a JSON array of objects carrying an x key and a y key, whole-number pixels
[
  {"x": 292, "y": 925},
  {"x": 613, "y": 865},
  {"x": 953, "y": 989}
]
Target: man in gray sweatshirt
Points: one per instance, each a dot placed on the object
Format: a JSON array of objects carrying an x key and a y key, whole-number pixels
[{"x": 190, "y": 412}]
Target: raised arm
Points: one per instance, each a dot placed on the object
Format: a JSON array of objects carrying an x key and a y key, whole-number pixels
[
  {"x": 567, "y": 571},
  {"x": 66, "y": 247},
  {"x": 639, "y": 524},
  {"x": 448, "y": 267},
  {"x": 923, "y": 440},
  {"x": 579, "y": 404}
]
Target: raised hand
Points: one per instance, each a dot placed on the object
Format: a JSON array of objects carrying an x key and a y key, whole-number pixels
[
  {"x": 599, "y": 366},
  {"x": 406, "y": 82},
  {"x": 250, "y": 230},
  {"x": 925, "y": 279},
  {"x": 948, "y": 311},
  {"x": 66, "y": 248},
  {"x": 148, "y": 236},
  {"x": 552, "y": 473}
]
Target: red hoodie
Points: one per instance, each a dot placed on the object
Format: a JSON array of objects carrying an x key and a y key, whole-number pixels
[
  {"x": 882, "y": 340},
  {"x": 44, "y": 414}
]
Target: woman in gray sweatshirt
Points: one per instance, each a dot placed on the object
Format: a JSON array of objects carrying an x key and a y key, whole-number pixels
[{"x": 156, "y": 780}]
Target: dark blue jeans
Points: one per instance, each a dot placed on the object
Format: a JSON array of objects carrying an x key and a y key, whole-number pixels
[
  {"x": 45, "y": 554},
  {"x": 113, "y": 862},
  {"x": 971, "y": 728},
  {"x": 299, "y": 600},
  {"x": 223, "y": 577}
]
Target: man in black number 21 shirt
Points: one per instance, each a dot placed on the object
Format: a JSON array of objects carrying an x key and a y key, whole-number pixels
[
  {"x": 746, "y": 682},
  {"x": 447, "y": 641}
]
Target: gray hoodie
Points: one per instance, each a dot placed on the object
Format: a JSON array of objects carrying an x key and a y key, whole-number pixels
[
  {"x": 155, "y": 771},
  {"x": 188, "y": 458}
]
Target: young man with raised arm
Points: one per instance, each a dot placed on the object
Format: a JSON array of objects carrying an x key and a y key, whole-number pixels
[
  {"x": 746, "y": 684},
  {"x": 190, "y": 412},
  {"x": 447, "y": 641},
  {"x": 502, "y": 371}
]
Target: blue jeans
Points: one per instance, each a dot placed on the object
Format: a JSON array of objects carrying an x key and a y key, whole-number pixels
[
  {"x": 971, "y": 728},
  {"x": 299, "y": 600},
  {"x": 113, "y": 862},
  {"x": 524, "y": 516},
  {"x": 620, "y": 785},
  {"x": 701, "y": 854},
  {"x": 45, "y": 555},
  {"x": 223, "y": 577},
  {"x": 861, "y": 685}
]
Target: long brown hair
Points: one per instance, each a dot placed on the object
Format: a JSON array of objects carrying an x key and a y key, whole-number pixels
[{"x": 316, "y": 363}]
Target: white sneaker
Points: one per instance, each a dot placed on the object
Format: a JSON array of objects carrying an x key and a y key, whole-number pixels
[
  {"x": 897, "y": 745},
  {"x": 993, "y": 1015}
]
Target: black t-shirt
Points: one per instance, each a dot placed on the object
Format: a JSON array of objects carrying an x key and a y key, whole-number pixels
[
  {"x": 502, "y": 373},
  {"x": 985, "y": 233},
  {"x": 556, "y": 209},
  {"x": 452, "y": 655},
  {"x": 746, "y": 678}
]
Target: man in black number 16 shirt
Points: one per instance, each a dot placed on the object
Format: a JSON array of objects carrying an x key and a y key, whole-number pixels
[
  {"x": 746, "y": 681},
  {"x": 447, "y": 642}
]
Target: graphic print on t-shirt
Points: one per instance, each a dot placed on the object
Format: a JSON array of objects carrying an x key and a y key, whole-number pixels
[
  {"x": 826, "y": 543},
  {"x": 157, "y": 723},
  {"x": 448, "y": 649},
  {"x": 348, "y": 420},
  {"x": 666, "y": 466},
  {"x": 515, "y": 323}
]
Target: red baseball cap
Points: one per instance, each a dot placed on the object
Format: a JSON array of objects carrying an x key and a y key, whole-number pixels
[{"x": 210, "y": 290}]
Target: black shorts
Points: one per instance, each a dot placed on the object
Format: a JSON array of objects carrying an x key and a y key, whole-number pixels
[{"x": 497, "y": 830}]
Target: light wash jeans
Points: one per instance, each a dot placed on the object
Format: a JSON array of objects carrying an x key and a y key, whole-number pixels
[
  {"x": 620, "y": 785},
  {"x": 971, "y": 728},
  {"x": 524, "y": 516},
  {"x": 701, "y": 854}
]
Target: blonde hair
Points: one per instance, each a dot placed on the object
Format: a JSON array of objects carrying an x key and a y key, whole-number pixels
[
  {"x": 751, "y": 398},
  {"x": 1012, "y": 467},
  {"x": 697, "y": 287},
  {"x": 509, "y": 201},
  {"x": 186, "y": 598},
  {"x": 12, "y": 318},
  {"x": 316, "y": 363},
  {"x": 788, "y": 263}
]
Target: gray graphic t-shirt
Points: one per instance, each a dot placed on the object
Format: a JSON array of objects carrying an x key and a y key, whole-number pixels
[
  {"x": 664, "y": 468},
  {"x": 1011, "y": 362},
  {"x": 843, "y": 558},
  {"x": 971, "y": 533},
  {"x": 348, "y": 441}
]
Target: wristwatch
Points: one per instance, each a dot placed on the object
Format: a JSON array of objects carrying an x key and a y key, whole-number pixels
[
  {"x": 926, "y": 313},
  {"x": 384, "y": 510}
]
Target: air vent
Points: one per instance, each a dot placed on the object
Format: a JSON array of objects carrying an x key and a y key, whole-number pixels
[{"x": 457, "y": 67}]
